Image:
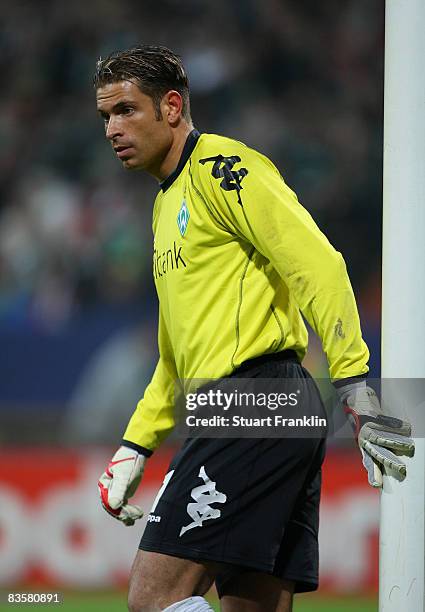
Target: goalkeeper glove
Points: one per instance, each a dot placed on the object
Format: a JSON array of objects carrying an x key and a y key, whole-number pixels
[
  {"x": 375, "y": 432},
  {"x": 119, "y": 482}
]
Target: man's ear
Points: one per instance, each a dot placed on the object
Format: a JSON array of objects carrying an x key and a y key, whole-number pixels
[{"x": 172, "y": 106}]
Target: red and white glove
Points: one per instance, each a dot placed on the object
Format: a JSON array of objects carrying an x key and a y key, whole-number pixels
[{"x": 119, "y": 482}]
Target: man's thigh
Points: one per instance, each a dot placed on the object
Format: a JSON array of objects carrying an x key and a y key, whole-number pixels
[
  {"x": 158, "y": 580},
  {"x": 257, "y": 592}
]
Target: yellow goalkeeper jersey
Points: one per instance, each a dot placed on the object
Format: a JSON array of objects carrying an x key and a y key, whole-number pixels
[{"x": 236, "y": 260}]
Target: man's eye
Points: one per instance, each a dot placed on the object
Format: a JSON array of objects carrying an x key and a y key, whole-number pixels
[{"x": 127, "y": 110}]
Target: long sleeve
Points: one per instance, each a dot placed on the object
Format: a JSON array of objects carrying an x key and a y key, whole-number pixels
[
  {"x": 153, "y": 418},
  {"x": 250, "y": 198}
]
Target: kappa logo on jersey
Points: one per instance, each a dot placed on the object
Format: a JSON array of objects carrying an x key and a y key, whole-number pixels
[
  {"x": 204, "y": 495},
  {"x": 222, "y": 168}
]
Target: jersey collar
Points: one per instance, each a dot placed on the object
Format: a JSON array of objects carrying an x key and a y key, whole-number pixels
[{"x": 189, "y": 145}]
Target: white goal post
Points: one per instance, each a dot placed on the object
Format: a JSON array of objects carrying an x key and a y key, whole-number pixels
[{"x": 402, "y": 527}]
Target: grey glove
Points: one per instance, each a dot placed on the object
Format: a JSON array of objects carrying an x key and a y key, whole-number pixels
[{"x": 376, "y": 433}]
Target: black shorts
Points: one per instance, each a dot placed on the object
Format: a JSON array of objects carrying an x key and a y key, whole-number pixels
[{"x": 252, "y": 504}]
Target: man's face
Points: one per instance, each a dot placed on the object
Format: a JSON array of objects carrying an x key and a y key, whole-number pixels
[{"x": 139, "y": 140}]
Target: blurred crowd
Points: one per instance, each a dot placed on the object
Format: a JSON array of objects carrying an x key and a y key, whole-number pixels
[{"x": 300, "y": 81}]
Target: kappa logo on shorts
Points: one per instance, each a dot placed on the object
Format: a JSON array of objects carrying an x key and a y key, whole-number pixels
[
  {"x": 152, "y": 518},
  {"x": 204, "y": 495}
]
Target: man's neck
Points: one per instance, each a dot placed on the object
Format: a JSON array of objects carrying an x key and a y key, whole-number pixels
[{"x": 172, "y": 158}]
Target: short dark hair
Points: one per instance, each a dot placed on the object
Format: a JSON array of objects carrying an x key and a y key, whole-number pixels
[{"x": 154, "y": 69}]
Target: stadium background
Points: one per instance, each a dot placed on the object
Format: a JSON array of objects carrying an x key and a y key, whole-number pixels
[{"x": 300, "y": 81}]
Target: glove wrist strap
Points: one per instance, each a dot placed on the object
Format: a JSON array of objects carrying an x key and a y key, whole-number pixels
[{"x": 140, "y": 449}]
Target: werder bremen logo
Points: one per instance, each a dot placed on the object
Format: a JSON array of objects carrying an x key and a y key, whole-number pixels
[{"x": 183, "y": 218}]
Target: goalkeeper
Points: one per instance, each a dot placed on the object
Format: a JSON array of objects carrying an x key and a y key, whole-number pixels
[{"x": 237, "y": 261}]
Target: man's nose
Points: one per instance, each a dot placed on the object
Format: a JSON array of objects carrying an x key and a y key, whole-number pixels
[{"x": 113, "y": 128}]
